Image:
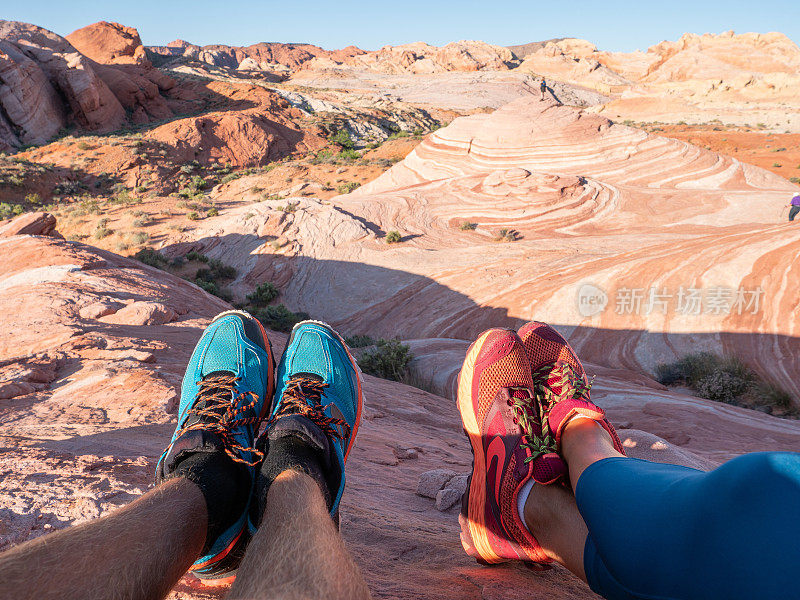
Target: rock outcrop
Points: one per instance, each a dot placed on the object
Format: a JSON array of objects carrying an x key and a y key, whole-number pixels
[
  {"x": 109, "y": 43},
  {"x": 47, "y": 84}
]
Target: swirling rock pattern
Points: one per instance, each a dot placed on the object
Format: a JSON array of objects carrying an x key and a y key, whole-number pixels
[{"x": 589, "y": 203}]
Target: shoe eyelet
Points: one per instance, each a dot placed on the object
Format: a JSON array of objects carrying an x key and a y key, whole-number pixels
[
  {"x": 509, "y": 402},
  {"x": 515, "y": 421}
]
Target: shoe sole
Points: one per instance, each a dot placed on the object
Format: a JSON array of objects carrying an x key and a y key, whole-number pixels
[
  {"x": 474, "y": 534},
  {"x": 359, "y": 375}
]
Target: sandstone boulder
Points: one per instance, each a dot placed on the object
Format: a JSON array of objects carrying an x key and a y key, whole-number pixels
[{"x": 35, "y": 223}]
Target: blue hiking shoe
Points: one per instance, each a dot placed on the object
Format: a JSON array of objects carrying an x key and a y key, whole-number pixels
[
  {"x": 316, "y": 413},
  {"x": 226, "y": 392}
]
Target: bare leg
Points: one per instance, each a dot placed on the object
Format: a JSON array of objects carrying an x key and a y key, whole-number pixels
[
  {"x": 139, "y": 552},
  {"x": 297, "y": 552},
  {"x": 550, "y": 511}
]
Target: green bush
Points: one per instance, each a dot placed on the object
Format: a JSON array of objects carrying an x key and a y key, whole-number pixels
[
  {"x": 216, "y": 270},
  {"x": 348, "y": 155},
  {"x": 724, "y": 379},
  {"x": 346, "y": 188},
  {"x": 213, "y": 211},
  {"x": 343, "y": 139},
  {"x": 721, "y": 386},
  {"x": 279, "y": 318},
  {"x": 194, "y": 255},
  {"x": 151, "y": 257},
  {"x": 263, "y": 294},
  {"x": 777, "y": 165},
  {"x": 33, "y": 198},
  {"x": 388, "y": 360},
  {"x": 323, "y": 157},
  {"x": 10, "y": 210},
  {"x": 193, "y": 216},
  {"x": 467, "y": 226},
  {"x": 360, "y": 341},
  {"x": 140, "y": 237},
  {"x": 393, "y": 237}
]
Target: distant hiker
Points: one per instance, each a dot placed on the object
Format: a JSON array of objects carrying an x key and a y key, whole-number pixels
[
  {"x": 543, "y": 88},
  {"x": 795, "y": 204}
]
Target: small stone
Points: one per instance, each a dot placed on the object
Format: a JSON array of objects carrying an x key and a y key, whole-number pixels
[
  {"x": 430, "y": 482},
  {"x": 447, "y": 498},
  {"x": 406, "y": 453},
  {"x": 459, "y": 483}
]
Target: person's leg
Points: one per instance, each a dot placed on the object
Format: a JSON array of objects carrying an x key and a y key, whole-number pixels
[
  {"x": 138, "y": 552},
  {"x": 666, "y": 531},
  {"x": 793, "y": 212},
  {"x": 297, "y": 552}
]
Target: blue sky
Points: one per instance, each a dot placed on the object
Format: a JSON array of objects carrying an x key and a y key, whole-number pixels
[{"x": 612, "y": 24}]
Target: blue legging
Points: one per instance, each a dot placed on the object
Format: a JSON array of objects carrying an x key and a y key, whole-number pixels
[{"x": 666, "y": 532}]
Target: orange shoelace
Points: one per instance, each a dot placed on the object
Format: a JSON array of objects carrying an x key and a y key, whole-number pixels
[
  {"x": 303, "y": 396},
  {"x": 222, "y": 416}
]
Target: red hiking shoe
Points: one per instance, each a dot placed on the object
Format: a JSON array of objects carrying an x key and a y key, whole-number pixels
[
  {"x": 561, "y": 390},
  {"x": 495, "y": 402}
]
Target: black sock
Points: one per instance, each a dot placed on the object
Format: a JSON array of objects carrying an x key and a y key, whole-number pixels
[
  {"x": 291, "y": 453},
  {"x": 225, "y": 485}
]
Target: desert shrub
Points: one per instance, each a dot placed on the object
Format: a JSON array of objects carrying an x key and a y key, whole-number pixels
[
  {"x": 348, "y": 155},
  {"x": 209, "y": 286},
  {"x": 213, "y": 211},
  {"x": 507, "y": 235},
  {"x": 123, "y": 196},
  {"x": 781, "y": 149},
  {"x": 346, "y": 188},
  {"x": 323, "y": 157},
  {"x": 393, "y": 237},
  {"x": 10, "y": 210},
  {"x": 151, "y": 257},
  {"x": 230, "y": 177},
  {"x": 33, "y": 198},
  {"x": 83, "y": 146},
  {"x": 343, "y": 139},
  {"x": 141, "y": 222},
  {"x": 794, "y": 179},
  {"x": 398, "y": 134},
  {"x": 777, "y": 165},
  {"x": 193, "y": 216},
  {"x": 467, "y": 226},
  {"x": 102, "y": 231},
  {"x": 188, "y": 169},
  {"x": 721, "y": 386},
  {"x": 725, "y": 379},
  {"x": 216, "y": 270},
  {"x": 289, "y": 208},
  {"x": 264, "y": 294},
  {"x": 388, "y": 360},
  {"x": 278, "y": 317},
  {"x": 360, "y": 341},
  {"x": 194, "y": 255},
  {"x": 140, "y": 237}
]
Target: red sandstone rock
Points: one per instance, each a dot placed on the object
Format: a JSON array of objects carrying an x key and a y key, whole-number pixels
[
  {"x": 35, "y": 223},
  {"x": 109, "y": 43}
]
